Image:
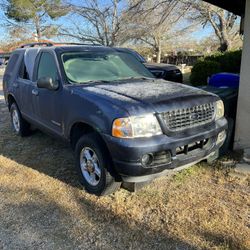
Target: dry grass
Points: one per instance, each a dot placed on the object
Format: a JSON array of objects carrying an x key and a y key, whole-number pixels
[{"x": 42, "y": 206}]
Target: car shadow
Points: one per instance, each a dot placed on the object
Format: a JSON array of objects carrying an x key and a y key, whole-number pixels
[
  {"x": 46, "y": 223},
  {"x": 37, "y": 151},
  {"x": 44, "y": 220}
]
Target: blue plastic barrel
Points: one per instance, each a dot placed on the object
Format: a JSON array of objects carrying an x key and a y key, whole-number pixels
[{"x": 221, "y": 80}]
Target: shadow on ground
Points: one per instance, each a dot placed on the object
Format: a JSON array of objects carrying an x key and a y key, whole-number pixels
[
  {"x": 42, "y": 220},
  {"x": 42, "y": 205},
  {"x": 45, "y": 223}
]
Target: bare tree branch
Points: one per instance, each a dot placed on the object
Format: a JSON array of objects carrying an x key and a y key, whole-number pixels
[{"x": 222, "y": 22}]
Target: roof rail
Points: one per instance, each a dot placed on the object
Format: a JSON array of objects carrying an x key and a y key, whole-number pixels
[
  {"x": 92, "y": 44},
  {"x": 46, "y": 44},
  {"x": 36, "y": 44}
]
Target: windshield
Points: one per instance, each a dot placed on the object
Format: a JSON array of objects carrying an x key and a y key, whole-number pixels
[
  {"x": 88, "y": 66},
  {"x": 139, "y": 57}
]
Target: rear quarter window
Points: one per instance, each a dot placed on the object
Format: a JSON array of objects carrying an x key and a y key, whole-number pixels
[
  {"x": 23, "y": 74},
  {"x": 11, "y": 64}
]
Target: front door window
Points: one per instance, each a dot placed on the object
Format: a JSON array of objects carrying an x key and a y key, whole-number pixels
[{"x": 47, "y": 66}]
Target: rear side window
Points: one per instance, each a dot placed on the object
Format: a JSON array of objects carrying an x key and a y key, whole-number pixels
[
  {"x": 11, "y": 64},
  {"x": 47, "y": 66}
]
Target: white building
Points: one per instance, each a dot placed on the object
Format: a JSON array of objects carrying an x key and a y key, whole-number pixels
[{"x": 242, "y": 132}]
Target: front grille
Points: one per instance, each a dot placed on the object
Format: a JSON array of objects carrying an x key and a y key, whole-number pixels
[
  {"x": 191, "y": 147},
  {"x": 181, "y": 119}
]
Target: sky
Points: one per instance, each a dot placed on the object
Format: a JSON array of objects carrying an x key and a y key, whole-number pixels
[
  {"x": 202, "y": 33},
  {"x": 198, "y": 35}
]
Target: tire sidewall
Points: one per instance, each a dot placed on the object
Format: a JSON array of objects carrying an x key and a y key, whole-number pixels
[
  {"x": 92, "y": 142},
  {"x": 12, "y": 109}
]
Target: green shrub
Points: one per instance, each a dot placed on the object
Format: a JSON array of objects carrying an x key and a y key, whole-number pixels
[
  {"x": 219, "y": 62},
  {"x": 202, "y": 70},
  {"x": 229, "y": 61}
]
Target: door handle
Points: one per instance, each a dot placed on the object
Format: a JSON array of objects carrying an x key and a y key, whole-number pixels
[{"x": 35, "y": 92}]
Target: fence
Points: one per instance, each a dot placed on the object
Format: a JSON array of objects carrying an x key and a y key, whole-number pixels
[{"x": 177, "y": 60}]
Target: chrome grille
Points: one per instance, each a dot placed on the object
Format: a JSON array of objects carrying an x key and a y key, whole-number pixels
[{"x": 181, "y": 119}]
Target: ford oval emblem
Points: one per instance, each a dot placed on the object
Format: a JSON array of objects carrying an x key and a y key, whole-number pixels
[{"x": 194, "y": 116}]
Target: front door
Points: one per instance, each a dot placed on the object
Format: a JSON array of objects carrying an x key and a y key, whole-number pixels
[{"x": 49, "y": 102}]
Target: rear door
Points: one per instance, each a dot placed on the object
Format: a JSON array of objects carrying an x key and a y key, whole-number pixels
[
  {"x": 9, "y": 79},
  {"x": 25, "y": 87},
  {"x": 49, "y": 108}
]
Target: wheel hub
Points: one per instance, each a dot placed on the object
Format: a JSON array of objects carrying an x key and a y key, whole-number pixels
[{"x": 90, "y": 166}]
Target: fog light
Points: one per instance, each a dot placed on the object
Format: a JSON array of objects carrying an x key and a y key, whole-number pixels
[
  {"x": 147, "y": 159},
  {"x": 221, "y": 137}
]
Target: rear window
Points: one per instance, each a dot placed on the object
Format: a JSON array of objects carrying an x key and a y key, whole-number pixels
[{"x": 11, "y": 64}]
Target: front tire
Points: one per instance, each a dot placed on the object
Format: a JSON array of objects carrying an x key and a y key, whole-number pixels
[
  {"x": 94, "y": 166},
  {"x": 19, "y": 125}
]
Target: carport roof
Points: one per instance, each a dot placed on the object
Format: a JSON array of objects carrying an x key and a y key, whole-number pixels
[{"x": 235, "y": 6}]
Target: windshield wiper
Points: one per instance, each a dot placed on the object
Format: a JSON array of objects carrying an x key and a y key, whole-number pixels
[
  {"x": 95, "y": 81},
  {"x": 117, "y": 80},
  {"x": 136, "y": 78}
]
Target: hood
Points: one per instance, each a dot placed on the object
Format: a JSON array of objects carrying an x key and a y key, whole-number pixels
[
  {"x": 151, "y": 95},
  {"x": 160, "y": 66}
]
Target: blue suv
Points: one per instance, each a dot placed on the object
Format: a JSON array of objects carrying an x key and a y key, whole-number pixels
[{"x": 125, "y": 126}]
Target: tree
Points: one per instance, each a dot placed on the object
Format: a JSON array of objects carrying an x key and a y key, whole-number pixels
[
  {"x": 224, "y": 23},
  {"x": 34, "y": 13},
  {"x": 157, "y": 22},
  {"x": 98, "y": 22},
  {"x": 114, "y": 22}
]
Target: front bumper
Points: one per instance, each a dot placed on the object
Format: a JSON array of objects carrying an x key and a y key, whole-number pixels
[{"x": 127, "y": 153}]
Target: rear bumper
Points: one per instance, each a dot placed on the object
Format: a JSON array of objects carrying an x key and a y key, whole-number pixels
[{"x": 127, "y": 153}]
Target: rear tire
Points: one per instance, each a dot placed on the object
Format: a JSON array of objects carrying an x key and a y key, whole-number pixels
[
  {"x": 19, "y": 125},
  {"x": 94, "y": 166}
]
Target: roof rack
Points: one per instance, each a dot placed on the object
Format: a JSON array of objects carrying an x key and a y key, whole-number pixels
[
  {"x": 36, "y": 44},
  {"x": 46, "y": 44},
  {"x": 92, "y": 44}
]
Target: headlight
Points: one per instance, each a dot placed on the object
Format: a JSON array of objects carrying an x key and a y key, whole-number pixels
[
  {"x": 219, "y": 109},
  {"x": 136, "y": 126}
]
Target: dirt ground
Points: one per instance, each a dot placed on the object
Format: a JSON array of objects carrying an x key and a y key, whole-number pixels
[{"x": 42, "y": 205}]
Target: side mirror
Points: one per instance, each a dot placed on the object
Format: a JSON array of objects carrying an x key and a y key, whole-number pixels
[{"x": 47, "y": 83}]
